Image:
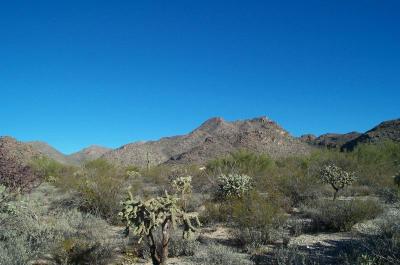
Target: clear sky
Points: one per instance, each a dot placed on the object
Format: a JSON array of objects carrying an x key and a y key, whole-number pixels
[{"x": 75, "y": 73}]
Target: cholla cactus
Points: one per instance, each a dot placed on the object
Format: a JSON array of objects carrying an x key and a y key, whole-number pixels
[
  {"x": 336, "y": 177},
  {"x": 144, "y": 217},
  {"x": 233, "y": 185},
  {"x": 182, "y": 186},
  {"x": 132, "y": 174}
]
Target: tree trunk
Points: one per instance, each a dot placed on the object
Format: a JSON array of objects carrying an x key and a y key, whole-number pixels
[
  {"x": 165, "y": 242},
  {"x": 335, "y": 194},
  {"x": 153, "y": 251}
]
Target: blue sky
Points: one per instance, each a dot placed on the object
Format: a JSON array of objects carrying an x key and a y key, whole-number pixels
[{"x": 75, "y": 73}]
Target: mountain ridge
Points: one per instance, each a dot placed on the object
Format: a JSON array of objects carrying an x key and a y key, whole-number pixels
[{"x": 212, "y": 138}]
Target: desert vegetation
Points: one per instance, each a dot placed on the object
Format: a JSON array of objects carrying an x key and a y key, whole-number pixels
[{"x": 241, "y": 208}]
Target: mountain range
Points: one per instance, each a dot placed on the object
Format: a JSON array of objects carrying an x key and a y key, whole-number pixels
[{"x": 215, "y": 137}]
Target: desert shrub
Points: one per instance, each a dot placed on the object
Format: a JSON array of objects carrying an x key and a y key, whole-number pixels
[
  {"x": 177, "y": 246},
  {"x": 49, "y": 169},
  {"x": 100, "y": 187},
  {"x": 31, "y": 231},
  {"x": 290, "y": 256},
  {"x": 379, "y": 248},
  {"x": 299, "y": 188},
  {"x": 376, "y": 163},
  {"x": 157, "y": 174},
  {"x": 389, "y": 194},
  {"x": 241, "y": 162},
  {"x": 215, "y": 212},
  {"x": 17, "y": 175},
  {"x": 257, "y": 219},
  {"x": 219, "y": 255},
  {"x": 340, "y": 215}
]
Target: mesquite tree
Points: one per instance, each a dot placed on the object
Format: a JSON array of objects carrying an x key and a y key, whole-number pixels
[
  {"x": 336, "y": 177},
  {"x": 145, "y": 217}
]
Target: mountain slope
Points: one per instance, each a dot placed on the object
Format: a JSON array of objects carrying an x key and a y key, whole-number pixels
[
  {"x": 329, "y": 140},
  {"x": 213, "y": 138},
  {"x": 387, "y": 130}
]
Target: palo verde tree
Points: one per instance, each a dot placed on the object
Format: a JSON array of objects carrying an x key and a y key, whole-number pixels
[
  {"x": 336, "y": 177},
  {"x": 144, "y": 218}
]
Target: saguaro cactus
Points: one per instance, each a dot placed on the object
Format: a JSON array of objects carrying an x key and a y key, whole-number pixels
[
  {"x": 336, "y": 177},
  {"x": 144, "y": 217}
]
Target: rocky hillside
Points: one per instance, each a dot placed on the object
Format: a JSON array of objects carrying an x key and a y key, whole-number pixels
[
  {"x": 388, "y": 130},
  {"x": 86, "y": 154},
  {"x": 14, "y": 163},
  {"x": 329, "y": 140},
  {"x": 213, "y": 138},
  {"x": 89, "y": 153}
]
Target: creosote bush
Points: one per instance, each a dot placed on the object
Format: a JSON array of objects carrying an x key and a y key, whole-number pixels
[
  {"x": 340, "y": 215},
  {"x": 257, "y": 219}
]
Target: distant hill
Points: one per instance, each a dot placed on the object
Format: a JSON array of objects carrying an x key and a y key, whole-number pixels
[
  {"x": 15, "y": 156},
  {"x": 213, "y": 138},
  {"x": 329, "y": 140},
  {"x": 86, "y": 154},
  {"x": 387, "y": 130},
  {"x": 49, "y": 151},
  {"x": 89, "y": 153}
]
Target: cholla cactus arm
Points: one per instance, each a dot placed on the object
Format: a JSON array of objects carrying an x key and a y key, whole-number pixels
[{"x": 336, "y": 177}]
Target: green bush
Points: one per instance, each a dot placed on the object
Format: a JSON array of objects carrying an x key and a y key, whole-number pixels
[
  {"x": 379, "y": 248},
  {"x": 299, "y": 189},
  {"x": 377, "y": 163},
  {"x": 340, "y": 215},
  {"x": 100, "y": 187},
  {"x": 241, "y": 162},
  {"x": 49, "y": 169},
  {"x": 35, "y": 230},
  {"x": 216, "y": 212},
  {"x": 219, "y": 255},
  {"x": 256, "y": 219}
]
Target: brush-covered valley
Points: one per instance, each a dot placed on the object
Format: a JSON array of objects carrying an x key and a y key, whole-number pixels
[{"x": 227, "y": 193}]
